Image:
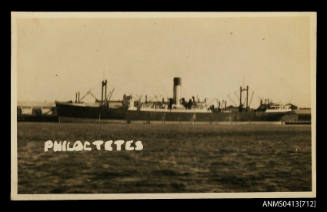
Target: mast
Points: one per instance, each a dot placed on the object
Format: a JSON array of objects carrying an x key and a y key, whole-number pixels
[
  {"x": 104, "y": 92},
  {"x": 247, "y": 97},
  {"x": 241, "y": 98}
]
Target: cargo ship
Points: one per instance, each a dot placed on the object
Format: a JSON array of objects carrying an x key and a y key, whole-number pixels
[{"x": 174, "y": 109}]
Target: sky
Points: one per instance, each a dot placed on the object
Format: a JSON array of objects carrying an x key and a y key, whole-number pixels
[{"x": 140, "y": 56}]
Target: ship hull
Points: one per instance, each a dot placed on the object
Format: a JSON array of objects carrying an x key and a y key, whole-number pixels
[
  {"x": 70, "y": 110},
  {"x": 73, "y": 112}
]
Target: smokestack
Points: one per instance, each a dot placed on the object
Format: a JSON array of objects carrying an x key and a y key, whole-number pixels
[{"x": 177, "y": 90}]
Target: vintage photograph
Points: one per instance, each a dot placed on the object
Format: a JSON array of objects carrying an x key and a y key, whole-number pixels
[{"x": 151, "y": 105}]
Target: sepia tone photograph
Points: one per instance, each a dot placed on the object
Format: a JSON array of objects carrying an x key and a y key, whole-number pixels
[{"x": 157, "y": 105}]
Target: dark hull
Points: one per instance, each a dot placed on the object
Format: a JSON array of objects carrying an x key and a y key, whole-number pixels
[{"x": 75, "y": 111}]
